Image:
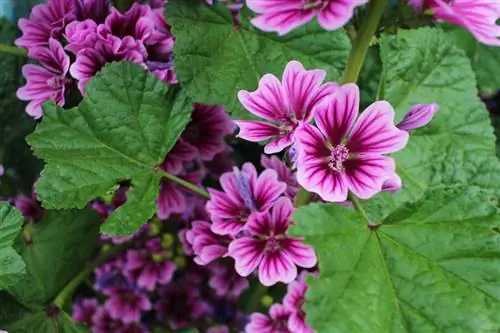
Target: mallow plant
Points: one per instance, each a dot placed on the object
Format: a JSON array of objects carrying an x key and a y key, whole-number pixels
[{"x": 258, "y": 166}]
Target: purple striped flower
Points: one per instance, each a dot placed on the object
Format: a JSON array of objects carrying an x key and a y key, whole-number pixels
[
  {"x": 345, "y": 153},
  {"x": 419, "y": 115},
  {"x": 46, "y": 81},
  {"x": 268, "y": 247},
  {"x": 294, "y": 300},
  {"x": 244, "y": 193},
  {"x": 277, "y": 322},
  {"x": 285, "y": 105},
  {"x": 282, "y": 16},
  {"x": 207, "y": 246},
  {"x": 126, "y": 304},
  {"x": 284, "y": 174}
]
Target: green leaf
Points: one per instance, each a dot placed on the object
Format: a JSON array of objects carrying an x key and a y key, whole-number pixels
[
  {"x": 208, "y": 46},
  {"x": 458, "y": 146},
  {"x": 12, "y": 265},
  {"x": 430, "y": 266},
  {"x": 61, "y": 245},
  {"x": 485, "y": 59},
  {"x": 141, "y": 201},
  {"x": 16, "y": 318},
  {"x": 128, "y": 121}
]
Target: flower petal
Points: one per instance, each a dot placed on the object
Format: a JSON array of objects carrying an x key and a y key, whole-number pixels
[
  {"x": 337, "y": 13},
  {"x": 278, "y": 144},
  {"x": 283, "y": 21},
  {"x": 337, "y": 116},
  {"x": 267, "y": 189},
  {"x": 247, "y": 254},
  {"x": 303, "y": 90},
  {"x": 267, "y": 101},
  {"x": 365, "y": 175},
  {"x": 374, "y": 132},
  {"x": 276, "y": 267},
  {"x": 281, "y": 215},
  {"x": 300, "y": 253},
  {"x": 393, "y": 184},
  {"x": 255, "y": 131}
]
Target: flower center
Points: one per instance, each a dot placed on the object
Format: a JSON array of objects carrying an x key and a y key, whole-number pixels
[
  {"x": 56, "y": 82},
  {"x": 338, "y": 155},
  {"x": 243, "y": 186},
  {"x": 310, "y": 4},
  {"x": 288, "y": 125}
]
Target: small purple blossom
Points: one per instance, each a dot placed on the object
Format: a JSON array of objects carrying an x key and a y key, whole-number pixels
[
  {"x": 277, "y": 322},
  {"x": 393, "y": 184},
  {"x": 330, "y": 165},
  {"x": 102, "y": 322},
  {"x": 419, "y": 115},
  {"x": 84, "y": 310},
  {"x": 284, "y": 174},
  {"x": 226, "y": 282},
  {"x": 268, "y": 247},
  {"x": 294, "y": 300},
  {"x": 207, "y": 246},
  {"x": 46, "y": 21},
  {"x": 81, "y": 35},
  {"x": 126, "y": 304},
  {"x": 284, "y": 105},
  {"x": 46, "y": 81},
  {"x": 243, "y": 193},
  {"x": 149, "y": 267},
  {"x": 207, "y": 129}
]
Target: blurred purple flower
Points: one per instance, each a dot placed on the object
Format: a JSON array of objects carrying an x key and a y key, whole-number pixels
[{"x": 126, "y": 304}]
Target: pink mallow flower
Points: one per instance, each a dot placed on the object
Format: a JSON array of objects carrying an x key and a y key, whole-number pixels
[
  {"x": 244, "y": 193},
  {"x": 284, "y": 174},
  {"x": 46, "y": 81},
  {"x": 126, "y": 304},
  {"x": 81, "y": 35},
  {"x": 226, "y": 282},
  {"x": 419, "y": 115},
  {"x": 282, "y": 16},
  {"x": 277, "y": 322},
  {"x": 294, "y": 300},
  {"x": 149, "y": 267},
  {"x": 207, "y": 129},
  {"x": 345, "y": 154},
  {"x": 480, "y": 17},
  {"x": 46, "y": 21},
  {"x": 268, "y": 247},
  {"x": 285, "y": 106},
  {"x": 206, "y": 245}
]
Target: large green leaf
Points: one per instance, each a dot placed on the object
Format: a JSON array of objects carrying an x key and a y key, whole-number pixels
[
  {"x": 11, "y": 264},
  {"x": 16, "y": 318},
  {"x": 214, "y": 60},
  {"x": 61, "y": 244},
  {"x": 458, "y": 146},
  {"x": 430, "y": 266},
  {"x": 128, "y": 121}
]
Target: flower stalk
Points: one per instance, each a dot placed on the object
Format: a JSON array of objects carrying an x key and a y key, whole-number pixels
[
  {"x": 13, "y": 50},
  {"x": 355, "y": 62}
]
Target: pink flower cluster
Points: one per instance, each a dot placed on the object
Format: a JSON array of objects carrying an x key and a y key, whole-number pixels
[
  {"x": 344, "y": 151},
  {"x": 480, "y": 17},
  {"x": 288, "y": 317},
  {"x": 93, "y": 34}
]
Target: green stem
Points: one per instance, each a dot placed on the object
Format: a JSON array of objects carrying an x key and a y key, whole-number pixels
[
  {"x": 357, "y": 205},
  {"x": 186, "y": 184},
  {"x": 363, "y": 39},
  {"x": 67, "y": 292},
  {"x": 253, "y": 302},
  {"x": 356, "y": 59},
  {"x": 13, "y": 50}
]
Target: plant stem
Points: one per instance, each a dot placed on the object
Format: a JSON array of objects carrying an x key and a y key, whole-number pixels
[
  {"x": 186, "y": 184},
  {"x": 356, "y": 59},
  {"x": 357, "y": 205},
  {"x": 67, "y": 292},
  {"x": 363, "y": 39},
  {"x": 13, "y": 50}
]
